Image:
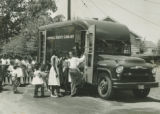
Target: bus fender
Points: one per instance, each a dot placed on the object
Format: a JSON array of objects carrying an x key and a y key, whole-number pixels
[{"x": 105, "y": 70}]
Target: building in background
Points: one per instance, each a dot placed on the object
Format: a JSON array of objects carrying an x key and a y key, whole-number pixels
[{"x": 150, "y": 48}]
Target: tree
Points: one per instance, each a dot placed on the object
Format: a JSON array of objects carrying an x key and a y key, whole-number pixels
[
  {"x": 36, "y": 15},
  {"x": 12, "y": 16}
]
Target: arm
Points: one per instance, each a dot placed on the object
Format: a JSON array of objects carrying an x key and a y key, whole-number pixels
[
  {"x": 34, "y": 74},
  {"x": 82, "y": 59},
  {"x": 56, "y": 64},
  {"x": 52, "y": 60},
  {"x": 43, "y": 74}
]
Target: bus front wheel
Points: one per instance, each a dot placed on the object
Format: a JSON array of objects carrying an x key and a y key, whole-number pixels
[{"x": 105, "y": 89}]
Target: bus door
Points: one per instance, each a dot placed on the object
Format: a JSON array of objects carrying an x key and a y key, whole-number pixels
[
  {"x": 89, "y": 52},
  {"x": 42, "y": 47}
]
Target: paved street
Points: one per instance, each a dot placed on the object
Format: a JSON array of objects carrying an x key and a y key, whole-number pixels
[
  {"x": 25, "y": 104},
  {"x": 124, "y": 103},
  {"x": 107, "y": 43}
]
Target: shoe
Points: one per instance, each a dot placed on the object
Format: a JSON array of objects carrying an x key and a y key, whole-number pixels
[
  {"x": 73, "y": 95},
  {"x": 16, "y": 92},
  {"x": 55, "y": 96},
  {"x": 68, "y": 92},
  {"x": 60, "y": 95}
]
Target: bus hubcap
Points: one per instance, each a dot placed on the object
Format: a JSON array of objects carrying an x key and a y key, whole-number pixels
[{"x": 103, "y": 86}]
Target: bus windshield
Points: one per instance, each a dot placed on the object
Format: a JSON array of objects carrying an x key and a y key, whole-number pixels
[{"x": 112, "y": 47}]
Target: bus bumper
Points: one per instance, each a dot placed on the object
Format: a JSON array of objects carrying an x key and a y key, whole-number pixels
[{"x": 135, "y": 85}]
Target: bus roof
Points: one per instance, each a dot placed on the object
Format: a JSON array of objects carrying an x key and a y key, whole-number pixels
[{"x": 104, "y": 29}]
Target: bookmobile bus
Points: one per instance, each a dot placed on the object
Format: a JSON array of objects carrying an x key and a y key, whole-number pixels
[{"x": 107, "y": 47}]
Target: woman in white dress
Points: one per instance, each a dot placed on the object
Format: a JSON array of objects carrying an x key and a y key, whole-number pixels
[{"x": 53, "y": 79}]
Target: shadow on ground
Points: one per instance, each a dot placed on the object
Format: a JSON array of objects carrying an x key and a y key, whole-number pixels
[
  {"x": 5, "y": 89},
  {"x": 119, "y": 96},
  {"x": 88, "y": 90},
  {"x": 127, "y": 97}
]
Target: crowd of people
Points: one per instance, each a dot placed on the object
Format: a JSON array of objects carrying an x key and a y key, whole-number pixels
[
  {"x": 60, "y": 72},
  {"x": 16, "y": 70}
]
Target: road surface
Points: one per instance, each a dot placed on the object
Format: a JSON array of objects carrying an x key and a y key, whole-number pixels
[{"x": 124, "y": 103}]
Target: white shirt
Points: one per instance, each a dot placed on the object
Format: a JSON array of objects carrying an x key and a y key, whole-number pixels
[
  {"x": 17, "y": 61},
  {"x": 4, "y": 61},
  {"x": 10, "y": 68},
  {"x": 14, "y": 73},
  {"x": 33, "y": 62},
  {"x": 23, "y": 62},
  {"x": 75, "y": 61},
  {"x": 19, "y": 72}
]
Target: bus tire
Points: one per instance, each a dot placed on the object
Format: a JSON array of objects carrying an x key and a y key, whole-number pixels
[
  {"x": 105, "y": 89},
  {"x": 141, "y": 93}
]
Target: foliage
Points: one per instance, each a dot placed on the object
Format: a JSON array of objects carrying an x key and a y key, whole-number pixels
[
  {"x": 12, "y": 16},
  {"x": 36, "y": 14}
]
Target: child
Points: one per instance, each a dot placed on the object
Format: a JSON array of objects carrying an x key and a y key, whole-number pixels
[
  {"x": 38, "y": 81},
  {"x": 30, "y": 70},
  {"x": 15, "y": 80},
  {"x": 10, "y": 70},
  {"x": 44, "y": 73}
]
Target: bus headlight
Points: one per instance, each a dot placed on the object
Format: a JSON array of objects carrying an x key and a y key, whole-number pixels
[
  {"x": 119, "y": 69},
  {"x": 154, "y": 70}
]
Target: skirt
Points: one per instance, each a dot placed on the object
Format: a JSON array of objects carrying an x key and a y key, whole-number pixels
[
  {"x": 37, "y": 81},
  {"x": 52, "y": 79}
]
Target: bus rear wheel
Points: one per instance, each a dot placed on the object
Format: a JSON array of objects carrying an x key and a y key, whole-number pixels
[
  {"x": 105, "y": 89},
  {"x": 141, "y": 93}
]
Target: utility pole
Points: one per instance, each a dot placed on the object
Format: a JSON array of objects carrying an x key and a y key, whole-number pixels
[{"x": 69, "y": 10}]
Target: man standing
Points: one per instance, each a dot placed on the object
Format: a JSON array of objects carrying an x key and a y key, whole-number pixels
[{"x": 74, "y": 71}]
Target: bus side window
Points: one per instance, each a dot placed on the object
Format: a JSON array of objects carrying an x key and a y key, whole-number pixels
[{"x": 89, "y": 60}]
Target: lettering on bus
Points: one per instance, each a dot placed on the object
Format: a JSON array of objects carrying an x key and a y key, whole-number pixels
[{"x": 61, "y": 37}]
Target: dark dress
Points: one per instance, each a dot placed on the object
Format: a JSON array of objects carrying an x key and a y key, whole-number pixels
[{"x": 3, "y": 73}]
